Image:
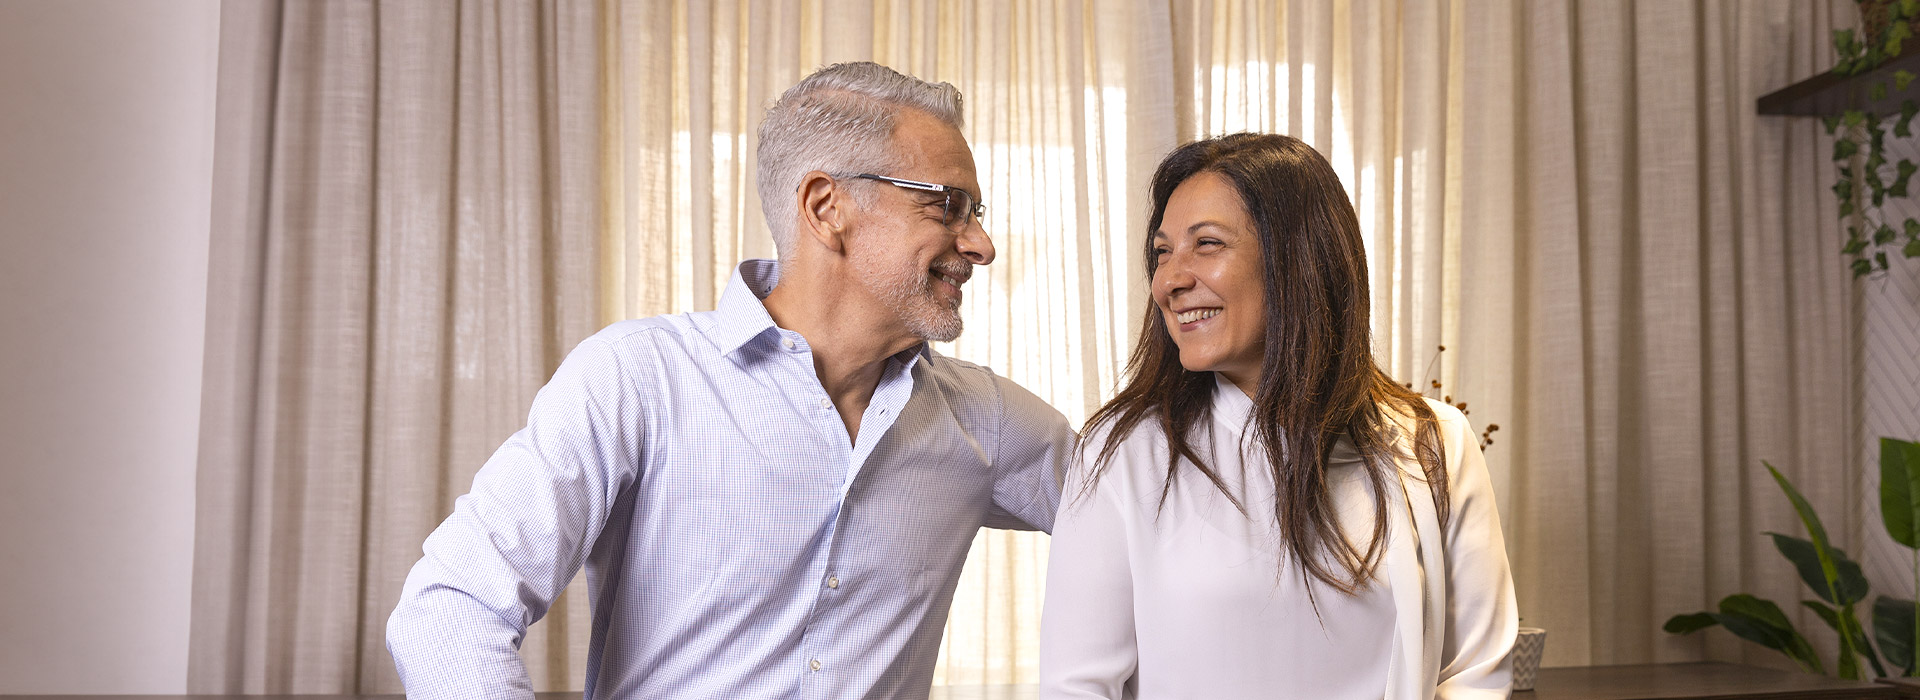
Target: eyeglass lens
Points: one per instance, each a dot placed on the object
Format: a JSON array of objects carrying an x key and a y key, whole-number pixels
[{"x": 960, "y": 207}]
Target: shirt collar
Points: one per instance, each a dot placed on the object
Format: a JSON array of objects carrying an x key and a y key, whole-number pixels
[
  {"x": 1230, "y": 404},
  {"x": 741, "y": 315}
]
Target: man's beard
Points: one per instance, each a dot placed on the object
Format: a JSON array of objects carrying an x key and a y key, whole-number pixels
[{"x": 910, "y": 293}]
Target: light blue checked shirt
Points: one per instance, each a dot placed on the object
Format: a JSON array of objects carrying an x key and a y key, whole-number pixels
[{"x": 737, "y": 543}]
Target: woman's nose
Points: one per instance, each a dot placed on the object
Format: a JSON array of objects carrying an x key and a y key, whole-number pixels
[{"x": 1172, "y": 276}]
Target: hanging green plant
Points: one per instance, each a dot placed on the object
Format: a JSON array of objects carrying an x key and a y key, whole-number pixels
[{"x": 1867, "y": 180}]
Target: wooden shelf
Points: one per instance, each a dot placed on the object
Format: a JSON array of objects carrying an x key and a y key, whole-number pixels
[{"x": 1828, "y": 94}]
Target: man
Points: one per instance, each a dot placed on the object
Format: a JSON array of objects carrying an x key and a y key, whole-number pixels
[{"x": 772, "y": 499}]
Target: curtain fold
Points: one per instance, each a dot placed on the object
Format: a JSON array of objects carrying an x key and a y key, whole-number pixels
[
  {"x": 406, "y": 244},
  {"x": 1652, "y": 289},
  {"x": 421, "y": 206}
]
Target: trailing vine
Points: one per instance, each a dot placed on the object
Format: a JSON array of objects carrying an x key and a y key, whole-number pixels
[{"x": 1859, "y": 147}]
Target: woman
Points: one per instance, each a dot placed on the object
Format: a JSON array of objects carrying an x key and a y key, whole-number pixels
[{"x": 1261, "y": 512}]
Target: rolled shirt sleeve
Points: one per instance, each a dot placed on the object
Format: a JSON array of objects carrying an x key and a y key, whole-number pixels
[{"x": 519, "y": 536}]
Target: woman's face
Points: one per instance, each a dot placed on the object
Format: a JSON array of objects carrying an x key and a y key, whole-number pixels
[{"x": 1208, "y": 280}]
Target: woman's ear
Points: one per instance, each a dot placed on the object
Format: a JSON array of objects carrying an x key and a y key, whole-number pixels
[{"x": 825, "y": 210}]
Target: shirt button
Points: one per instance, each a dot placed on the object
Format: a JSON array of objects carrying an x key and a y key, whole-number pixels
[
  {"x": 814, "y": 664},
  {"x": 833, "y": 582},
  {"x": 826, "y": 402},
  {"x": 787, "y": 342}
]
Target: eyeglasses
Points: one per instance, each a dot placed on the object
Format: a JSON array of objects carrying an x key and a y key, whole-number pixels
[{"x": 959, "y": 206}]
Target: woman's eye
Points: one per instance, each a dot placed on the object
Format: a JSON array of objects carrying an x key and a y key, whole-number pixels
[{"x": 1209, "y": 241}]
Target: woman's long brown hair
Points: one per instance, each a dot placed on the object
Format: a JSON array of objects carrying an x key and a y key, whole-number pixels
[{"x": 1318, "y": 380}]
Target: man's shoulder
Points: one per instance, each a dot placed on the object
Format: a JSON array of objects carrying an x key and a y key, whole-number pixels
[
  {"x": 648, "y": 334},
  {"x": 967, "y": 383},
  {"x": 960, "y": 377}
]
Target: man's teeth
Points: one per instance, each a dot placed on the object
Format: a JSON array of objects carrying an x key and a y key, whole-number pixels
[
  {"x": 1197, "y": 314},
  {"x": 948, "y": 278}
]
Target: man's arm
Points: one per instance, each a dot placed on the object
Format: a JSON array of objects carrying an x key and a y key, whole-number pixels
[
  {"x": 513, "y": 542},
  {"x": 1036, "y": 443}
]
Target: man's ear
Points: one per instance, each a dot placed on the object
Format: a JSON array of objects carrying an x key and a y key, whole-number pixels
[{"x": 826, "y": 210}]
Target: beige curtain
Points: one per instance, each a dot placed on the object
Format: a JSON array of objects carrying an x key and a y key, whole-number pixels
[
  {"x": 1652, "y": 302},
  {"x": 405, "y": 245}
]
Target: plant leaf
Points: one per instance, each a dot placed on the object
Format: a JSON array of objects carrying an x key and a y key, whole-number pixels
[
  {"x": 1913, "y": 249},
  {"x": 1839, "y": 592},
  {"x": 1902, "y": 78},
  {"x": 1844, "y": 149},
  {"x": 1900, "y": 476},
  {"x": 1806, "y": 558},
  {"x": 1689, "y": 624},
  {"x": 1827, "y": 614},
  {"x": 1858, "y": 634},
  {"x": 1893, "y": 629},
  {"x": 1760, "y": 621},
  {"x": 1884, "y": 236}
]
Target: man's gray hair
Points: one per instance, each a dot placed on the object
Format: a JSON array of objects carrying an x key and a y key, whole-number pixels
[{"x": 838, "y": 121}]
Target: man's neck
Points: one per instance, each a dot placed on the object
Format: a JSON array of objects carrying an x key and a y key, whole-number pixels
[{"x": 851, "y": 335}]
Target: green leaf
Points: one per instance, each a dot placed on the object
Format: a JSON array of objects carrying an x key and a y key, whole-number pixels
[
  {"x": 1893, "y": 629},
  {"x": 1842, "y": 39},
  {"x": 1854, "y": 246},
  {"x": 1854, "y": 117},
  {"x": 1827, "y": 614},
  {"x": 1862, "y": 267},
  {"x": 1842, "y": 621},
  {"x": 1858, "y": 634},
  {"x": 1902, "y": 78},
  {"x": 1880, "y": 259},
  {"x": 1912, "y": 227},
  {"x": 1900, "y": 480},
  {"x": 1829, "y": 569},
  {"x": 1912, "y": 250},
  {"x": 1844, "y": 149},
  {"x": 1846, "y": 208},
  {"x": 1689, "y": 624},
  {"x": 1909, "y": 8},
  {"x": 1877, "y": 92},
  {"x": 1843, "y": 190},
  {"x": 1760, "y": 621},
  {"x": 1807, "y": 560},
  {"x": 1883, "y": 236}
]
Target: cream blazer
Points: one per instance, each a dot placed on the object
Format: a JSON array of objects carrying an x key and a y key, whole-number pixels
[{"x": 1452, "y": 597}]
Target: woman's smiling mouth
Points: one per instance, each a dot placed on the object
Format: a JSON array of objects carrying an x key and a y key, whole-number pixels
[{"x": 1192, "y": 316}]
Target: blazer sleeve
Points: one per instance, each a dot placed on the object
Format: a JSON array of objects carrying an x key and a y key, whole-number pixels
[{"x": 1482, "y": 616}]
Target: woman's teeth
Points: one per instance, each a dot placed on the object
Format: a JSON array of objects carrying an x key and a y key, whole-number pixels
[{"x": 1197, "y": 314}]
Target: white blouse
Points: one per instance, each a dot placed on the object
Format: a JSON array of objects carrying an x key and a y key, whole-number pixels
[{"x": 1192, "y": 600}]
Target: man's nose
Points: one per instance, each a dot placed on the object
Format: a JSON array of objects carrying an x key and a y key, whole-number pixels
[{"x": 974, "y": 243}]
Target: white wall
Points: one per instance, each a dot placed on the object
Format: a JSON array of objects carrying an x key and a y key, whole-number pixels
[{"x": 106, "y": 157}]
